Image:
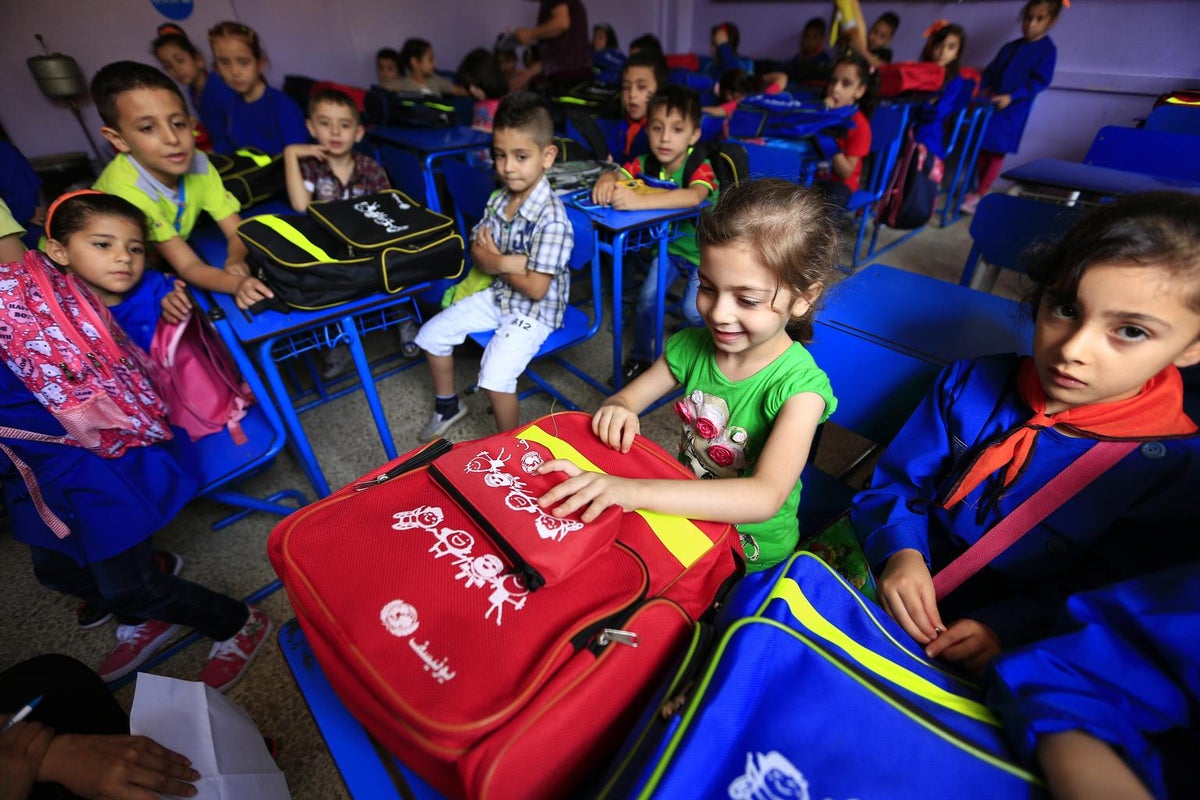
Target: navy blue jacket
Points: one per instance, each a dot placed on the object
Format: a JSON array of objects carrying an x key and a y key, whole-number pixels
[{"x": 1021, "y": 69}]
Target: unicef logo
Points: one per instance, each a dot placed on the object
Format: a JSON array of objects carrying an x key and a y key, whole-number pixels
[{"x": 399, "y": 617}]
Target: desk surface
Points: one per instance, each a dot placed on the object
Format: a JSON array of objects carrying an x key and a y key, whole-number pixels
[
  {"x": 926, "y": 317},
  {"x": 431, "y": 140},
  {"x": 1091, "y": 178},
  {"x": 615, "y": 221}
]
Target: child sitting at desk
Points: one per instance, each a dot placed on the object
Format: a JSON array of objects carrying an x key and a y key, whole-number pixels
[
  {"x": 524, "y": 239},
  {"x": 1117, "y": 315},
  {"x": 92, "y": 468},
  {"x": 753, "y": 397},
  {"x": 674, "y": 128},
  {"x": 158, "y": 169},
  {"x": 420, "y": 71}
]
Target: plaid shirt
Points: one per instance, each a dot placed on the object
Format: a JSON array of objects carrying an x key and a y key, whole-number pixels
[{"x": 541, "y": 231}]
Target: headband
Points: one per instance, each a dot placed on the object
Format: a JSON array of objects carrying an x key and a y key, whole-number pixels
[
  {"x": 936, "y": 26},
  {"x": 62, "y": 198}
]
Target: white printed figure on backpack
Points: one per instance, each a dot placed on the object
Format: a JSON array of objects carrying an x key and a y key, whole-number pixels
[
  {"x": 556, "y": 528},
  {"x": 769, "y": 776},
  {"x": 505, "y": 589},
  {"x": 424, "y": 517},
  {"x": 399, "y": 617},
  {"x": 451, "y": 542},
  {"x": 481, "y": 571}
]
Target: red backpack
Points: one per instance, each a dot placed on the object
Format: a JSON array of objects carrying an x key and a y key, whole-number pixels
[
  {"x": 501, "y": 652},
  {"x": 199, "y": 379}
]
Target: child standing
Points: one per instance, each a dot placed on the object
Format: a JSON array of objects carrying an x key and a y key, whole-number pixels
[
  {"x": 851, "y": 83},
  {"x": 674, "y": 128},
  {"x": 420, "y": 71},
  {"x": 158, "y": 169},
  {"x": 123, "y": 473},
  {"x": 814, "y": 61},
  {"x": 211, "y": 97},
  {"x": 1117, "y": 315},
  {"x": 525, "y": 240},
  {"x": 1022, "y": 69},
  {"x": 262, "y": 116},
  {"x": 754, "y": 397},
  {"x": 944, "y": 48}
]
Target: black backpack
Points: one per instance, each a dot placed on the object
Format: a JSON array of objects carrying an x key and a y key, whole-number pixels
[
  {"x": 729, "y": 161},
  {"x": 250, "y": 175},
  {"x": 912, "y": 190},
  {"x": 345, "y": 249},
  {"x": 408, "y": 108}
]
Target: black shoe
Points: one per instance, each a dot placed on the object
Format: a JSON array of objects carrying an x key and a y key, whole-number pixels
[{"x": 631, "y": 369}]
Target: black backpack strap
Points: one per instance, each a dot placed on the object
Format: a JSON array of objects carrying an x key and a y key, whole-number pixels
[
  {"x": 700, "y": 151},
  {"x": 590, "y": 132}
]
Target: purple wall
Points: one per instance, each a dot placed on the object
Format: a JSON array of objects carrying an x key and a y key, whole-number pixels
[{"x": 1114, "y": 55}]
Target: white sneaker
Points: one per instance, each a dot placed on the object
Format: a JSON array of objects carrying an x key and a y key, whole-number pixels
[{"x": 438, "y": 425}]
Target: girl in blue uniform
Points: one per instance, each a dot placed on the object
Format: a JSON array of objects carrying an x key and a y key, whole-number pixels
[
  {"x": 210, "y": 96},
  {"x": 1117, "y": 315},
  {"x": 1022, "y": 69},
  {"x": 944, "y": 48}
]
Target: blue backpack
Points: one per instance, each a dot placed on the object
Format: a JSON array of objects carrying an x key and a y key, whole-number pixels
[
  {"x": 783, "y": 116},
  {"x": 812, "y": 691}
]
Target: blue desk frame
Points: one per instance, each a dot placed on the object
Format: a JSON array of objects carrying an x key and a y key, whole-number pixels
[{"x": 431, "y": 144}]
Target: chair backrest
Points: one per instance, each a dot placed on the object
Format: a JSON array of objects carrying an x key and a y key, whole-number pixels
[
  {"x": 1174, "y": 119},
  {"x": 888, "y": 124},
  {"x": 469, "y": 188},
  {"x": 584, "y": 251},
  {"x": 404, "y": 171},
  {"x": 1150, "y": 152},
  {"x": 1004, "y": 226},
  {"x": 771, "y": 161}
]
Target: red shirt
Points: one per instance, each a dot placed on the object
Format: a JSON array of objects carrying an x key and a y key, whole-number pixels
[{"x": 856, "y": 142}]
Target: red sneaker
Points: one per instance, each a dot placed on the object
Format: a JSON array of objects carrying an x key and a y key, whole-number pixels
[
  {"x": 228, "y": 660},
  {"x": 136, "y": 643}
]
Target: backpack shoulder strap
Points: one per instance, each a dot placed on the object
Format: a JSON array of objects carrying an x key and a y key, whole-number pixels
[{"x": 56, "y": 525}]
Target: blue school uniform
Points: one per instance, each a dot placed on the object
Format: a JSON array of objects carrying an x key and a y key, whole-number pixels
[
  {"x": 109, "y": 504},
  {"x": 1021, "y": 69},
  {"x": 930, "y": 117},
  {"x": 270, "y": 123},
  {"x": 640, "y": 145},
  {"x": 138, "y": 313},
  {"x": 1124, "y": 668},
  {"x": 212, "y": 106},
  {"x": 1127, "y": 522}
]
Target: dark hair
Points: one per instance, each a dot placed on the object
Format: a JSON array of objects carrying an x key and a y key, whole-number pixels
[
  {"x": 647, "y": 42},
  {"x": 390, "y": 54},
  {"x": 74, "y": 213},
  {"x": 655, "y": 61},
  {"x": 525, "y": 112},
  {"x": 787, "y": 227},
  {"x": 170, "y": 33},
  {"x": 243, "y": 33},
  {"x": 481, "y": 68},
  {"x": 866, "y": 75},
  {"x": 503, "y": 47},
  {"x": 335, "y": 97},
  {"x": 940, "y": 35},
  {"x": 413, "y": 48},
  {"x": 816, "y": 22},
  {"x": 1151, "y": 229},
  {"x": 890, "y": 18},
  {"x": 610, "y": 36},
  {"x": 1056, "y": 7},
  {"x": 119, "y": 77},
  {"x": 679, "y": 99},
  {"x": 731, "y": 30}
]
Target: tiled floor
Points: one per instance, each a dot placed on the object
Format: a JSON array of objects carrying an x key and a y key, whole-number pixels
[{"x": 234, "y": 560}]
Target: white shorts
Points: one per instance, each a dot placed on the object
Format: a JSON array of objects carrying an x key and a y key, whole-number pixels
[{"x": 517, "y": 340}]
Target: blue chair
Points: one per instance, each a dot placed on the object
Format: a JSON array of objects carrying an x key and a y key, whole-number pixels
[
  {"x": 1174, "y": 119},
  {"x": 1003, "y": 228},
  {"x": 1150, "y": 152},
  {"x": 469, "y": 189},
  {"x": 777, "y": 161},
  {"x": 888, "y": 125},
  {"x": 579, "y": 324},
  {"x": 978, "y": 116},
  {"x": 404, "y": 171}
]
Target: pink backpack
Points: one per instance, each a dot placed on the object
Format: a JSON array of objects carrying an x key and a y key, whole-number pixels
[
  {"x": 63, "y": 344},
  {"x": 199, "y": 379}
]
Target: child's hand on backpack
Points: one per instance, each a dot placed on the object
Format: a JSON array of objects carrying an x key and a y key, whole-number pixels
[
  {"x": 616, "y": 425},
  {"x": 967, "y": 642},
  {"x": 591, "y": 491},
  {"x": 250, "y": 291},
  {"x": 177, "y": 304},
  {"x": 1001, "y": 101},
  {"x": 624, "y": 197},
  {"x": 238, "y": 268},
  {"x": 906, "y": 594}
]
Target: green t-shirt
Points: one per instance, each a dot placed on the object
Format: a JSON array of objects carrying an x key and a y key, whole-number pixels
[
  {"x": 730, "y": 422},
  {"x": 202, "y": 191},
  {"x": 683, "y": 243}
]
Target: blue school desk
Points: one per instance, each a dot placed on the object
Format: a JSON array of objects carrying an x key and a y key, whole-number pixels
[
  {"x": 929, "y": 318},
  {"x": 1092, "y": 179},
  {"x": 368, "y": 772},
  {"x": 275, "y": 337},
  {"x": 631, "y": 230},
  {"x": 431, "y": 144}
]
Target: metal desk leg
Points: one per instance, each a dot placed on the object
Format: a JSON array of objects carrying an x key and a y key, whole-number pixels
[
  {"x": 617, "y": 251},
  {"x": 298, "y": 438},
  {"x": 350, "y": 331},
  {"x": 664, "y": 281}
]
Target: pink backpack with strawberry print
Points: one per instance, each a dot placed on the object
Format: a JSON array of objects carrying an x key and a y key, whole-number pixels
[{"x": 63, "y": 344}]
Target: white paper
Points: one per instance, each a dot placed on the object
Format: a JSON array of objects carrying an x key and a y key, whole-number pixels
[{"x": 219, "y": 737}]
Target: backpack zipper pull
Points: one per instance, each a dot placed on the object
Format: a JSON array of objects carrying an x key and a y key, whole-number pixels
[
  {"x": 611, "y": 635},
  {"x": 71, "y": 376},
  {"x": 96, "y": 363},
  {"x": 419, "y": 459}
]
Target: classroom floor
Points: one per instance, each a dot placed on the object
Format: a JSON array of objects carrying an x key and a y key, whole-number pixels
[{"x": 234, "y": 560}]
